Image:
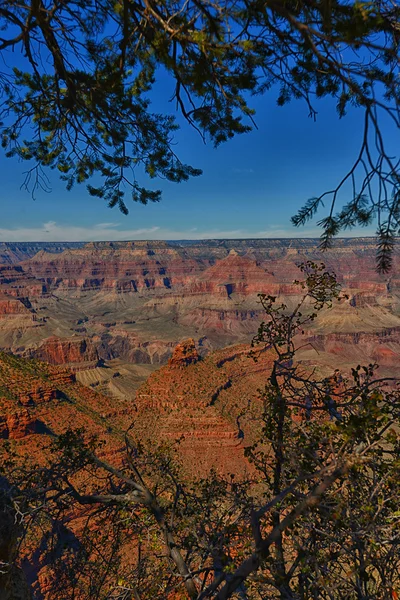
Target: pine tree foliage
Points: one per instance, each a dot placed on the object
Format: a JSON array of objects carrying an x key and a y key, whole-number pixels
[{"x": 76, "y": 76}]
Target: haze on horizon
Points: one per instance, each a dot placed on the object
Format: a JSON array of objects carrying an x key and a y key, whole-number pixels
[{"x": 110, "y": 232}]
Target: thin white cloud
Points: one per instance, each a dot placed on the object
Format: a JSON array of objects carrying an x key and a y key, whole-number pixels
[
  {"x": 281, "y": 232},
  {"x": 243, "y": 171},
  {"x": 54, "y": 232},
  {"x": 106, "y": 225}
]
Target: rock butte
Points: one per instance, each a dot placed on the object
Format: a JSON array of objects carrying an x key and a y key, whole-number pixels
[{"x": 184, "y": 354}]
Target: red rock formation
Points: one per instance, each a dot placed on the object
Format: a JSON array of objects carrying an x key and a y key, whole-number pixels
[
  {"x": 253, "y": 266},
  {"x": 236, "y": 274},
  {"x": 15, "y": 281},
  {"x": 10, "y": 306},
  {"x": 52, "y": 397},
  {"x": 176, "y": 402},
  {"x": 184, "y": 354},
  {"x": 223, "y": 267},
  {"x": 57, "y": 351},
  {"x": 17, "y": 425},
  {"x": 198, "y": 404},
  {"x": 121, "y": 267}
]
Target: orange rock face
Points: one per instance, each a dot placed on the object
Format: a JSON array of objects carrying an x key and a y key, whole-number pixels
[
  {"x": 12, "y": 306},
  {"x": 198, "y": 403},
  {"x": 17, "y": 425},
  {"x": 184, "y": 354},
  {"x": 185, "y": 404},
  {"x": 36, "y": 399},
  {"x": 58, "y": 351}
]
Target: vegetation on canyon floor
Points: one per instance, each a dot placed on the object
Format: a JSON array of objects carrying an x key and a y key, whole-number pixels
[
  {"x": 315, "y": 517},
  {"x": 77, "y": 99}
]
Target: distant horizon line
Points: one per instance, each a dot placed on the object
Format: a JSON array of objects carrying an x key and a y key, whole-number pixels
[
  {"x": 355, "y": 237},
  {"x": 108, "y": 241},
  {"x": 344, "y": 237}
]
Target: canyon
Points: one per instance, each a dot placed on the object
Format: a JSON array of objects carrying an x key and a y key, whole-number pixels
[
  {"x": 156, "y": 336},
  {"x": 86, "y": 304},
  {"x": 113, "y": 312}
]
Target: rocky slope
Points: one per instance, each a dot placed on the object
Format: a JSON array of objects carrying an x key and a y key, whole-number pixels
[
  {"x": 194, "y": 400},
  {"x": 184, "y": 402},
  {"x": 37, "y": 402},
  {"x": 198, "y": 402}
]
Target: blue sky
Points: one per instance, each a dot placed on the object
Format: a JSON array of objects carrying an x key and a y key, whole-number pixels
[{"x": 250, "y": 187}]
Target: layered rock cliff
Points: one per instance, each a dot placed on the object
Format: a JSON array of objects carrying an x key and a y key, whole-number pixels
[
  {"x": 198, "y": 403},
  {"x": 58, "y": 351},
  {"x": 136, "y": 300}
]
